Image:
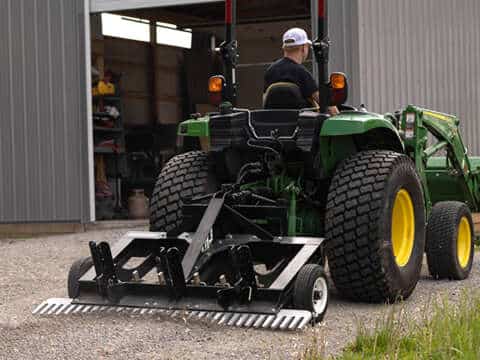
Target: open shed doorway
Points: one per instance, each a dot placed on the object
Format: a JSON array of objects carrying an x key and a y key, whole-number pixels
[{"x": 150, "y": 69}]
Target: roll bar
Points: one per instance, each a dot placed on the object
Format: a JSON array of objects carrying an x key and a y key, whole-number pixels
[{"x": 321, "y": 47}]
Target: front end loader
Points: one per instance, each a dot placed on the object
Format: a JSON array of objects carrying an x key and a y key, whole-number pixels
[{"x": 240, "y": 234}]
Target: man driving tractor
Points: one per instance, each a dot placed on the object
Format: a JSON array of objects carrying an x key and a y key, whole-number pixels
[{"x": 289, "y": 72}]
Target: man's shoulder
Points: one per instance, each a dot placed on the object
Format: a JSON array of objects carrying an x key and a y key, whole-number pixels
[{"x": 276, "y": 63}]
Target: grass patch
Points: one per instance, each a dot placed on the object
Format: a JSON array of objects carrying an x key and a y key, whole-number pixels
[{"x": 448, "y": 331}]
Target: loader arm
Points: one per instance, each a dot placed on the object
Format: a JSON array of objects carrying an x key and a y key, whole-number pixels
[{"x": 448, "y": 177}]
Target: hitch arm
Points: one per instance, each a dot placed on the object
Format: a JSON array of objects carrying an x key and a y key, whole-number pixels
[
  {"x": 106, "y": 278},
  {"x": 201, "y": 235}
]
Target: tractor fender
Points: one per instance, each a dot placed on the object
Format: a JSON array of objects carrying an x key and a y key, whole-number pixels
[
  {"x": 354, "y": 123},
  {"x": 345, "y": 134}
]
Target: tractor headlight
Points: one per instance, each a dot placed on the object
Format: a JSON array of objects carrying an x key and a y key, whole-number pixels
[{"x": 410, "y": 126}]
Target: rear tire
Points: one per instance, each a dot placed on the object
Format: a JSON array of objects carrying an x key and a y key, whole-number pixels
[
  {"x": 450, "y": 242},
  {"x": 77, "y": 270},
  {"x": 375, "y": 227},
  {"x": 310, "y": 291},
  {"x": 183, "y": 177}
]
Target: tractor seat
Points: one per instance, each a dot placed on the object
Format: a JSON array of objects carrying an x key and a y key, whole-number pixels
[
  {"x": 266, "y": 121},
  {"x": 284, "y": 95}
]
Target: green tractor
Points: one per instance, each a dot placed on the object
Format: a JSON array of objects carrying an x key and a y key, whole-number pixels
[
  {"x": 241, "y": 234},
  {"x": 365, "y": 182}
]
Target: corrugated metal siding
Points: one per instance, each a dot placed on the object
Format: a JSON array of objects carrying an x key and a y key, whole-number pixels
[
  {"x": 42, "y": 108},
  {"x": 423, "y": 52}
]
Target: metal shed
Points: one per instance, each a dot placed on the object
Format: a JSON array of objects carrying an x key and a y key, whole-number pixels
[{"x": 395, "y": 52}]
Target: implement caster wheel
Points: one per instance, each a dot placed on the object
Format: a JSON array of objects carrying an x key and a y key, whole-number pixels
[
  {"x": 310, "y": 291},
  {"x": 77, "y": 270}
]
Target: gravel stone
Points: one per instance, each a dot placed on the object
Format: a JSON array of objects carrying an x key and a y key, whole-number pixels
[{"x": 33, "y": 270}]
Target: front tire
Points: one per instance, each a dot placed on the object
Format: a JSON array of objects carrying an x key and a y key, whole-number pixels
[
  {"x": 450, "y": 243},
  {"x": 375, "y": 227}
]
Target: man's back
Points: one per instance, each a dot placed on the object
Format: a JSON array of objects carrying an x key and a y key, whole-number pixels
[{"x": 287, "y": 70}]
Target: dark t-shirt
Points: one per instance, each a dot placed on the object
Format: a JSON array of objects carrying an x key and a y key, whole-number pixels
[{"x": 287, "y": 70}]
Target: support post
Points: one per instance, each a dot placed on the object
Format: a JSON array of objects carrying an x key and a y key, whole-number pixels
[
  {"x": 229, "y": 51},
  {"x": 321, "y": 48}
]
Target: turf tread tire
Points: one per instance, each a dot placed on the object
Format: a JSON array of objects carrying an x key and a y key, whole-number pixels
[
  {"x": 442, "y": 230},
  {"x": 358, "y": 215},
  {"x": 183, "y": 177}
]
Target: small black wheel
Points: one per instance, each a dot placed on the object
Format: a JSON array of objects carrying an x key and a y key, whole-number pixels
[
  {"x": 450, "y": 244},
  {"x": 310, "y": 291},
  {"x": 77, "y": 270}
]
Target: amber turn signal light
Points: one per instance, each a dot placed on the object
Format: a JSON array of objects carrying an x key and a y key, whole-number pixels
[
  {"x": 338, "y": 81},
  {"x": 215, "y": 84}
]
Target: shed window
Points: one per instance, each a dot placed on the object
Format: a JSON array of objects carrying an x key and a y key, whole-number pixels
[{"x": 125, "y": 27}]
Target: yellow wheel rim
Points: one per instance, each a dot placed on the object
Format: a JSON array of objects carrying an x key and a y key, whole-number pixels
[
  {"x": 464, "y": 242},
  {"x": 403, "y": 227}
]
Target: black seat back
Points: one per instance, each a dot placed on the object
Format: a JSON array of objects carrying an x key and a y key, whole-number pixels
[
  {"x": 266, "y": 121},
  {"x": 284, "y": 95}
]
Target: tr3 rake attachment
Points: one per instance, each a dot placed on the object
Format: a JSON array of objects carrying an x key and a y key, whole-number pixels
[
  {"x": 256, "y": 280},
  {"x": 283, "y": 320}
]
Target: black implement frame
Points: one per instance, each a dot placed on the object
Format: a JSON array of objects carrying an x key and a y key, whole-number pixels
[{"x": 190, "y": 268}]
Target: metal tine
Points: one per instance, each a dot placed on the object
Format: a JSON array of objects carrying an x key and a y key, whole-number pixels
[
  {"x": 278, "y": 320},
  {"x": 78, "y": 309},
  {"x": 259, "y": 321},
  {"x": 192, "y": 314},
  {"x": 71, "y": 307},
  {"x": 46, "y": 308},
  {"x": 242, "y": 320},
  {"x": 251, "y": 320},
  {"x": 234, "y": 319},
  {"x": 86, "y": 308},
  {"x": 94, "y": 309},
  {"x": 225, "y": 318},
  {"x": 268, "y": 321},
  {"x": 217, "y": 316},
  {"x": 209, "y": 315},
  {"x": 62, "y": 308},
  {"x": 103, "y": 308},
  {"x": 119, "y": 309},
  {"x": 305, "y": 321},
  {"x": 295, "y": 322},
  {"x": 40, "y": 306},
  {"x": 201, "y": 314},
  {"x": 286, "y": 322}
]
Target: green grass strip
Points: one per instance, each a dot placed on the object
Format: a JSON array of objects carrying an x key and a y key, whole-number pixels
[{"x": 448, "y": 331}]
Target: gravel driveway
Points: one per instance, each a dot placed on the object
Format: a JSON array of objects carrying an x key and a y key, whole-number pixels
[{"x": 36, "y": 269}]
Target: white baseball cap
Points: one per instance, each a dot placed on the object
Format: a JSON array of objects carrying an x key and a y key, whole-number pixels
[{"x": 295, "y": 37}]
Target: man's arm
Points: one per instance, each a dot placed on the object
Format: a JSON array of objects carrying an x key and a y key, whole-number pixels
[{"x": 332, "y": 110}]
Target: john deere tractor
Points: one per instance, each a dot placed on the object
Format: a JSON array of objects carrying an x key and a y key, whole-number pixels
[{"x": 241, "y": 233}]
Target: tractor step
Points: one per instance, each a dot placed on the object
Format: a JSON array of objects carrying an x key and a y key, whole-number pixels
[{"x": 285, "y": 319}]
